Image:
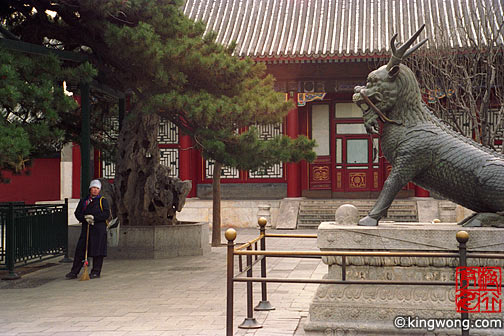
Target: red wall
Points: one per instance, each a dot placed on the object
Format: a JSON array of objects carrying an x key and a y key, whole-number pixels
[{"x": 42, "y": 183}]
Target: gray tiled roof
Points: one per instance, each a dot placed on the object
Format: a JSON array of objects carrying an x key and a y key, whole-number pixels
[{"x": 333, "y": 29}]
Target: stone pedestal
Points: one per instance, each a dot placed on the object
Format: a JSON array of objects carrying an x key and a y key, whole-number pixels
[
  {"x": 264, "y": 211},
  {"x": 371, "y": 309},
  {"x": 157, "y": 242}
]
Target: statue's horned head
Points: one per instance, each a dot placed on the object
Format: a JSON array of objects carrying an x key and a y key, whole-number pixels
[
  {"x": 381, "y": 91},
  {"x": 399, "y": 54}
]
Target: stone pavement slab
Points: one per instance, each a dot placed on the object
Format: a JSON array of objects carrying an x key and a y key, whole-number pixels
[{"x": 183, "y": 296}]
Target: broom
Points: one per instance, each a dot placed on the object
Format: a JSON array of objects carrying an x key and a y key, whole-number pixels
[{"x": 85, "y": 275}]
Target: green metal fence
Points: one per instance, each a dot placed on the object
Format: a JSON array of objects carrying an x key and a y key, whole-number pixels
[{"x": 30, "y": 233}]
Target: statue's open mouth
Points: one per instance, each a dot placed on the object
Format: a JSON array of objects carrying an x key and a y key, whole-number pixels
[
  {"x": 357, "y": 99},
  {"x": 366, "y": 103}
]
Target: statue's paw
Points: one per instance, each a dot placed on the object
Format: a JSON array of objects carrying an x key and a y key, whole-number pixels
[{"x": 368, "y": 221}]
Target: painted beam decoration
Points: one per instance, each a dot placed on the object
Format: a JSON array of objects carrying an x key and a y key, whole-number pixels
[{"x": 306, "y": 97}]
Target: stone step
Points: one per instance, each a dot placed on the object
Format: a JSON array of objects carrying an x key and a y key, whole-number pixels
[
  {"x": 335, "y": 205},
  {"x": 363, "y": 210},
  {"x": 331, "y": 219},
  {"x": 312, "y": 212}
]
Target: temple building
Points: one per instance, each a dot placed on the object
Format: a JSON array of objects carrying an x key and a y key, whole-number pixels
[{"x": 318, "y": 51}]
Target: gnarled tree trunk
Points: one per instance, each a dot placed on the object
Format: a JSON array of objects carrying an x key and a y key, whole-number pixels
[{"x": 146, "y": 194}]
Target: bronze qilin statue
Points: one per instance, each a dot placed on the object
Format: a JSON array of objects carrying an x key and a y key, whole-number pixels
[{"x": 423, "y": 149}]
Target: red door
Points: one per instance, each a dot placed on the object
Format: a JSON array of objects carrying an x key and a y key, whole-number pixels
[
  {"x": 356, "y": 167},
  {"x": 349, "y": 165}
]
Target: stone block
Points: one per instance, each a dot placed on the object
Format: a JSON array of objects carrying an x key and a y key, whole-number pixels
[
  {"x": 447, "y": 211},
  {"x": 428, "y": 209},
  {"x": 407, "y": 236},
  {"x": 461, "y": 213},
  {"x": 361, "y": 309},
  {"x": 74, "y": 231},
  {"x": 289, "y": 209},
  {"x": 245, "y": 191},
  {"x": 158, "y": 242},
  {"x": 234, "y": 213}
]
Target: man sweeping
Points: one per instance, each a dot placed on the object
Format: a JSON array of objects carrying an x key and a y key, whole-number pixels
[{"x": 92, "y": 212}]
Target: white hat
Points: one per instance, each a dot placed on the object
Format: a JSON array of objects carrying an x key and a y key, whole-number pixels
[{"x": 95, "y": 183}]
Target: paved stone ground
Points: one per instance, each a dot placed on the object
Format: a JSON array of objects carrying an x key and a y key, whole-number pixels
[{"x": 178, "y": 296}]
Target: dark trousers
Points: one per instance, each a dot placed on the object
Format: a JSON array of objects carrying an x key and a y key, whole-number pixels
[{"x": 78, "y": 262}]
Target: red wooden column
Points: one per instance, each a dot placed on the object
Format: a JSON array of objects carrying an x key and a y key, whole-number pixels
[
  {"x": 185, "y": 166},
  {"x": 293, "y": 169}
]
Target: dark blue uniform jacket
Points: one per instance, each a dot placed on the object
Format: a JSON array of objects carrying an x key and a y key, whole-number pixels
[{"x": 97, "y": 232}]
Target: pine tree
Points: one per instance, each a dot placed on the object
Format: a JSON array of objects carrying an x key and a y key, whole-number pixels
[
  {"x": 33, "y": 107},
  {"x": 151, "y": 50}
]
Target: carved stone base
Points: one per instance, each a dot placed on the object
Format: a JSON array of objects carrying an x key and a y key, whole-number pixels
[
  {"x": 371, "y": 309},
  {"x": 158, "y": 242}
]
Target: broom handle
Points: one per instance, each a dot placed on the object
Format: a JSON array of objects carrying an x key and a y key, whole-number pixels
[{"x": 87, "y": 241}]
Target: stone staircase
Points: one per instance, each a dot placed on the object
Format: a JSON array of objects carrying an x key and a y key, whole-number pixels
[{"x": 312, "y": 212}]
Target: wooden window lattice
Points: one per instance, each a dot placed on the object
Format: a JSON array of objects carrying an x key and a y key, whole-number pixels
[
  {"x": 170, "y": 158},
  {"x": 108, "y": 164},
  {"x": 168, "y": 135},
  {"x": 275, "y": 171},
  {"x": 108, "y": 167},
  {"x": 268, "y": 132},
  {"x": 226, "y": 172}
]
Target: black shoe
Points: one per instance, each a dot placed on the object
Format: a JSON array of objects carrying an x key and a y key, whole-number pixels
[
  {"x": 94, "y": 275},
  {"x": 71, "y": 276}
]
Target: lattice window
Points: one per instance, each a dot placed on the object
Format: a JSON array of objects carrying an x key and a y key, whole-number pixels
[
  {"x": 499, "y": 134},
  {"x": 108, "y": 167},
  {"x": 168, "y": 133},
  {"x": 226, "y": 172},
  {"x": 108, "y": 164},
  {"x": 112, "y": 126},
  {"x": 275, "y": 171},
  {"x": 463, "y": 120},
  {"x": 268, "y": 132},
  {"x": 170, "y": 158},
  {"x": 465, "y": 123},
  {"x": 493, "y": 121}
]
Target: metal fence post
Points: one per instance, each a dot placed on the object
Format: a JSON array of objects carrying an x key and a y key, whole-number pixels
[
  {"x": 343, "y": 268},
  {"x": 66, "y": 258},
  {"x": 264, "y": 304},
  {"x": 462, "y": 238},
  {"x": 250, "y": 322},
  {"x": 230, "y": 236},
  {"x": 11, "y": 245}
]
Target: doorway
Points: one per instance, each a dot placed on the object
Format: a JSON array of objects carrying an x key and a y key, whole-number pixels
[
  {"x": 356, "y": 163},
  {"x": 348, "y": 163},
  {"x": 356, "y": 160}
]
